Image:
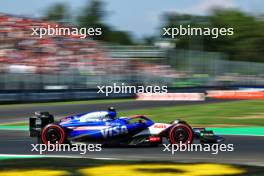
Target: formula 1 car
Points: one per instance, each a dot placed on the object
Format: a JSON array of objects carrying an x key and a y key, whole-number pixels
[{"x": 105, "y": 128}]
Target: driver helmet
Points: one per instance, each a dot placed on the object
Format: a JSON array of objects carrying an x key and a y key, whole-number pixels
[{"x": 112, "y": 112}]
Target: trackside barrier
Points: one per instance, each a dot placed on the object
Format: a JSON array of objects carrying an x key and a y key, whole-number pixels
[
  {"x": 236, "y": 94},
  {"x": 56, "y": 95},
  {"x": 171, "y": 96}
]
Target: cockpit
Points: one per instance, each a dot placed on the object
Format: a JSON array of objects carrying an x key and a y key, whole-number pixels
[{"x": 98, "y": 116}]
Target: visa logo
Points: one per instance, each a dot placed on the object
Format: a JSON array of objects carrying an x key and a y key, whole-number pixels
[{"x": 117, "y": 130}]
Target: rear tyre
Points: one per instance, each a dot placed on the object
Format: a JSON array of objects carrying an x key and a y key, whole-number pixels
[
  {"x": 181, "y": 134},
  {"x": 53, "y": 134}
]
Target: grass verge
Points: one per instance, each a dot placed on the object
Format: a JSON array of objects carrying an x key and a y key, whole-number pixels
[
  {"x": 215, "y": 114},
  {"x": 225, "y": 114}
]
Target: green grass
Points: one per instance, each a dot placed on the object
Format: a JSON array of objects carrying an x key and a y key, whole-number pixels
[
  {"x": 235, "y": 113},
  {"x": 66, "y": 103},
  {"x": 219, "y": 114},
  {"x": 22, "y": 123}
]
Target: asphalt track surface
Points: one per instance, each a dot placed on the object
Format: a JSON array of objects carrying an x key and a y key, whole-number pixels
[{"x": 248, "y": 150}]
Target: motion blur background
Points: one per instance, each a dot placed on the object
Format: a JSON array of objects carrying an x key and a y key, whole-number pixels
[{"x": 131, "y": 49}]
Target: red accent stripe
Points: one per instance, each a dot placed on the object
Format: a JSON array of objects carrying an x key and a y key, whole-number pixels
[{"x": 154, "y": 139}]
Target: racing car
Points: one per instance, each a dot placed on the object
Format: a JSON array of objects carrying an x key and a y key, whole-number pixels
[{"x": 105, "y": 127}]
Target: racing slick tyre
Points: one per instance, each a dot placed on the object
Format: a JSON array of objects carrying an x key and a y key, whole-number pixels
[
  {"x": 53, "y": 133},
  {"x": 181, "y": 134}
]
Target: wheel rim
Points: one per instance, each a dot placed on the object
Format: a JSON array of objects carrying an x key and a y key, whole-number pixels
[
  {"x": 53, "y": 133},
  {"x": 181, "y": 134},
  {"x": 53, "y": 136}
]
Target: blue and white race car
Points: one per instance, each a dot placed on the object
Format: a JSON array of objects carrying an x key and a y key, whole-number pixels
[{"x": 105, "y": 127}]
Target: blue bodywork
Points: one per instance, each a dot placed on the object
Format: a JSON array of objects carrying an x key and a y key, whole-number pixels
[
  {"x": 103, "y": 125},
  {"x": 105, "y": 128}
]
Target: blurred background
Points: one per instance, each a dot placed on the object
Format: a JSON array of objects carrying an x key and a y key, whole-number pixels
[{"x": 131, "y": 49}]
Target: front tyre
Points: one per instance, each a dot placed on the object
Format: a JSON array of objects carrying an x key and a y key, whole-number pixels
[
  {"x": 53, "y": 134},
  {"x": 181, "y": 134}
]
